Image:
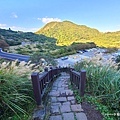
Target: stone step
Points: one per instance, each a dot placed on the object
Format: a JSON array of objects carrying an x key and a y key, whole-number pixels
[{"x": 63, "y": 103}]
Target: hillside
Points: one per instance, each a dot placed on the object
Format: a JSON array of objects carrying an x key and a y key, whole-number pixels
[
  {"x": 67, "y": 32},
  {"x": 17, "y": 37}
]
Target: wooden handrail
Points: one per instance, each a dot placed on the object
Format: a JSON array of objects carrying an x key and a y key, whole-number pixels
[
  {"x": 78, "y": 79},
  {"x": 41, "y": 81}
]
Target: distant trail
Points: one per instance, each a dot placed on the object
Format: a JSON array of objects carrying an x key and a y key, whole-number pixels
[{"x": 12, "y": 56}]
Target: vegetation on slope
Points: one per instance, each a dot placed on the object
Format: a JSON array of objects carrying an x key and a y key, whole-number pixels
[
  {"x": 102, "y": 86},
  {"x": 3, "y": 44},
  {"x": 72, "y": 49},
  {"x": 67, "y": 32},
  {"x": 17, "y": 37},
  {"x": 49, "y": 50},
  {"x": 16, "y": 95}
]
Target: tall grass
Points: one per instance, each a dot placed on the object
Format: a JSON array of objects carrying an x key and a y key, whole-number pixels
[
  {"x": 103, "y": 82},
  {"x": 15, "y": 90},
  {"x": 118, "y": 61}
]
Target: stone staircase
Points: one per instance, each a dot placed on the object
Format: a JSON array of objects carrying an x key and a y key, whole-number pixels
[{"x": 63, "y": 105}]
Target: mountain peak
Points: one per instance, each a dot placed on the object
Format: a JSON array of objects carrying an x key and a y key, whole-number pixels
[{"x": 67, "y": 32}]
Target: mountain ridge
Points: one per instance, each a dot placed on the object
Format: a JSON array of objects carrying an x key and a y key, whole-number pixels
[{"x": 67, "y": 32}]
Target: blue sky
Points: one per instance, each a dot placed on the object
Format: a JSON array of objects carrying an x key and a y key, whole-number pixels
[{"x": 30, "y": 15}]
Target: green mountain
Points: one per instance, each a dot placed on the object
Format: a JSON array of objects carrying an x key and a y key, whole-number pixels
[
  {"x": 67, "y": 32},
  {"x": 17, "y": 37}
]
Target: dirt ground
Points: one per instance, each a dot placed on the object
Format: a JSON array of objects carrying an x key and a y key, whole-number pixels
[{"x": 90, "y": 112}]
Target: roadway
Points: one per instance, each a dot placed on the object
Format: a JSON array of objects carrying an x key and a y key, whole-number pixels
[{"x": 12, "y": 56}]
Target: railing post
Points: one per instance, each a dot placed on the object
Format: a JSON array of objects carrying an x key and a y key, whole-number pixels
[
  {"x": 46, "y": 69},
  {"x": 36, "y": 88},
  {"x": 71, "y": 76},
  {"x": 82, "y": 82},
  {"x": 51, "y": 73}
]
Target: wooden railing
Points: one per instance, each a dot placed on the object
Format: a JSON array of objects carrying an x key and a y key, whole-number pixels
[
  {"x": 41, "y": 81},
  {"x": 78, "y": 80}
]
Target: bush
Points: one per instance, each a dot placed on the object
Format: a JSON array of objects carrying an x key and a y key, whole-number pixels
[
  {"x": 15, "y": 90},
  {"x": 111, "y": 50},
  {"x": 103, "y": 82},
  {"x": 36, "y": 58},
  {"x": 3, "y": 44},
  {"x": 118, "y": 61}
]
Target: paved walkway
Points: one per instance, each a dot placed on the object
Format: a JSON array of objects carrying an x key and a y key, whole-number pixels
[{"x": 63, "y": 104}]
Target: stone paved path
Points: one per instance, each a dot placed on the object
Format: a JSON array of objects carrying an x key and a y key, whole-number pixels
[{"x": 63, "y": 104}]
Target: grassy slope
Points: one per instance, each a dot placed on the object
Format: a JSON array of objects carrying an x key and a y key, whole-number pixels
[
  {"x": 16, "y": 37},
  {"x": 67, "y": 32}
]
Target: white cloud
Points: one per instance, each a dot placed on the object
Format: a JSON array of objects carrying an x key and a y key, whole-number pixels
[
  {"x": 14, "y": 15},
  {"x": 17, "y": 28},
  {"x": 39, "y": 18},
  {"x": 47, "y": 20},
  {"x": 34, "y": 29},
  {"x": 3, "y": 25}
]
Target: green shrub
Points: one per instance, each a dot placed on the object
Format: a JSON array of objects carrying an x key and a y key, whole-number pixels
[
  {"x": 111, "y": 50},
  {"x": 118, "y": 61},
  {"x": 15, "y": 91},
  {"x": 103, "y": 82},
  {"x": 37, "y": 56}
]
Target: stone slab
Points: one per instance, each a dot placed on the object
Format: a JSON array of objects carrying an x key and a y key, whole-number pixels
[
  {"x": 62, "y": 93},
  {"x": 53, "y": 99},
  {"x": 54, "y": 93},
  {"x": 81, "y": 116},
  {"x": 55, "y": 110},
  {"x": 71, "y": 98},
  {"x": 76, "y": 108},
  {"x": 61, "y": 88},
  {"x": 61, "y": 99},
  {"x": 68, "y": 116},
  {"x": 69, "y": 92},
  {"x": 65, "y": 108},
  {"x": 56, "y": 104},
  {"x": 66, "y": 103},
  {"x": 57, "y": 117}
]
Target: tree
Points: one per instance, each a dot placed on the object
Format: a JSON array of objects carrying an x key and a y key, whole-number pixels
[{"x": 3, "y": 44}]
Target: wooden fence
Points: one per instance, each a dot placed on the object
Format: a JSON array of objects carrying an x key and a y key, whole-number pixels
[
  {"x": 78, "y": 80},
  {"x": 41, "y": 81}
]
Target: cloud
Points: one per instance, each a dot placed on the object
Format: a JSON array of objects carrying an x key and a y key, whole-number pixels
[
  {"x": 18, "y": 28},
  {"x": 14, "y": 15},
  {"x": 47, "y": 20},
  {"x": 24, "y": 29},
  {"x": 2, "y": 25}
]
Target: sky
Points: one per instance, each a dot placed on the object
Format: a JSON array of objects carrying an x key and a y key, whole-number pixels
[{"x": 31, "y": 15}]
